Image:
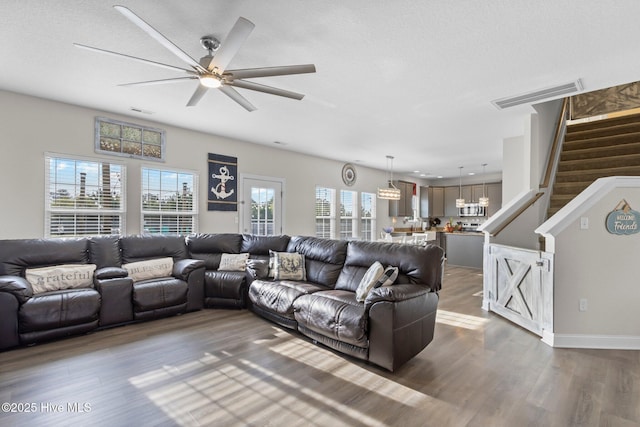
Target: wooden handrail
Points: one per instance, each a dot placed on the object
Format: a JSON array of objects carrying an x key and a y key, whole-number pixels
[
  {"x": 557, "y": 143},
  {"x": 517, "y": 213}
]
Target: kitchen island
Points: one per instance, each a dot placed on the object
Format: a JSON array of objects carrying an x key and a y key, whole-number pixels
[{"x": 464, "y": 248}]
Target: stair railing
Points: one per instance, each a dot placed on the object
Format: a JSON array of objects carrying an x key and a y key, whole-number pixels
[{"x": 556, "y": 147}]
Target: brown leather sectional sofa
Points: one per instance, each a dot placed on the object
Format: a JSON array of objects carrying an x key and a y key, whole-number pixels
[{"x": 391, "y": 326}]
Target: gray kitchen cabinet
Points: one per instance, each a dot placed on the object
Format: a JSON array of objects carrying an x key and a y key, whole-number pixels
[
  {"x": 431, "y": 202},
  {"x": 450, "y": 196},
  {"x": 494, "y": 193},
  {"x": 404, "y": 206}
]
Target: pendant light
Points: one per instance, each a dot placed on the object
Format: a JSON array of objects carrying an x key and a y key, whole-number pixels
[
  {"x": 460, "y": 201},
  {"x": 391, "y": 192},
  {"x": 484, "y": 200}
]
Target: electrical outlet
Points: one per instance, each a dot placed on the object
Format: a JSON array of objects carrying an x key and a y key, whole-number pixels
[{"x": 583, "y": 304}]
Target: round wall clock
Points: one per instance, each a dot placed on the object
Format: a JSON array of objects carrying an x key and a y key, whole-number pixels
[{"x": 349, "y": 174}]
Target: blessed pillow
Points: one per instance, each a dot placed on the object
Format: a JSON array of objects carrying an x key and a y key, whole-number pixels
[
  {"x": 233, "y": 262},
  {"x": 288, "y": 266},
  {"x": 65, "y": 276},
  {"x": 149, "y": 269},
  {"x": 369, "y": 280},
  {"x": 387, "y": 278}
]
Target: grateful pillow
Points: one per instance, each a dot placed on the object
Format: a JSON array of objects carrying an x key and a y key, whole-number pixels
[
  {"x": 288, "y": 266},
  {"x": 369, "y": 280},
  {"x": 387, "y": 278},
  {"x": 65, "y": 276},
  {"x": 233, "y": 262},
  {"x": 150, "y": 269}
]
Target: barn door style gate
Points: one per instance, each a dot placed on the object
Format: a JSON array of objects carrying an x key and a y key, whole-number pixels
[{"x": 518, "y": 286}]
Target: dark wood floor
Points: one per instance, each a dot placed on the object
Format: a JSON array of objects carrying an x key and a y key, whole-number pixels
[{"x": 230, "y": 367}]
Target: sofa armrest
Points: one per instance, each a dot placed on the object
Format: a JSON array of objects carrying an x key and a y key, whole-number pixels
[
  {"x": 182, "y": 268},
  {"x": 395, "y": 293},
  {"x": 17, "y": 286},
  {"x": 110, "y": 273}
]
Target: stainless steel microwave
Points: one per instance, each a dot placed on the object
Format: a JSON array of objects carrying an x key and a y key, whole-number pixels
[{"x": 472, "y": 209}]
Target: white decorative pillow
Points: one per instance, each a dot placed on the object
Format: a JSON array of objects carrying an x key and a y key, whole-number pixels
[
  {"x": 65, "y": 276},
  {"x": 288, "y": 266},
  {"x": 388, "y": 277},
  {"x": 369, "y": 280},
  {"x": 233, "y": 262},
  {"x": 149, "y": 269}
]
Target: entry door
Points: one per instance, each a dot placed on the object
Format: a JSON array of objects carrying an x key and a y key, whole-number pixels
[{"x": 262, "y": 206}]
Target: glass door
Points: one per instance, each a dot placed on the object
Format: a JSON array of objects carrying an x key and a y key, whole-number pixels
[{"x": 262, "y": 207}]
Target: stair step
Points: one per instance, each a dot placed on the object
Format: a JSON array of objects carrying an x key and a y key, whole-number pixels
[
  {"x": 602, "y": 163},
  {"x": 601, "y": 152},
  {"x": 559, "y": 200},
  {"x": 601, "y": 141},
  {"x": 570, "y": 187},
  {"x": 592, "y": 175},
  {"x": 604, "y": 123}
]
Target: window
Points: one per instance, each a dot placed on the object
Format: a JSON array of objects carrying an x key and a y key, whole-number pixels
[
  {"x": 129, "y": 140},
  {"x": 262, "y": 211},
  {"x": 169, "y": 201},
  {"x": 325, "y": 212},
  {"x": 367, "y": 216},
  {"x": 83, "y": 197},
  {"x": 348, "y": 214}
]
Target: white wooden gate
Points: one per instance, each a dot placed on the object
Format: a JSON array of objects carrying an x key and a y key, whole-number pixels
[{"x": 518, "y": 285}]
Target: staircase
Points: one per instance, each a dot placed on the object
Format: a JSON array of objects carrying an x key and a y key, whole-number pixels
[{"x": 592, "y": 150}]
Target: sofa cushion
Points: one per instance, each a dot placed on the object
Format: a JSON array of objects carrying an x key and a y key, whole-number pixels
[
  {"x": 288, "y": 266},
  {"x": 210, "y": 247},
  {"x": 57, "y": 277},
  {"x": 278, "y": 297},
  {"x": 369, "y": 280},
  {"x": 149, "y": 269},
  {"x": 224, "y": 284},
  {"x": 19, "y": 254},
  {"x": 324, "y": 258},
  {"x": 104, "y": 251},
  {"x": 140, "y": 248},
  {"x": 233, "y": 262},
  {"x": 158, "y": 293},
  {"x": 258, "y": 268},
  {"x": 259, "y": 246},
  {"x": 58, "y": 309},
  {"x": 335, "y": 314}
]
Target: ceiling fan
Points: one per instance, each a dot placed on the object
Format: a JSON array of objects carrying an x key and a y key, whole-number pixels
[{"x": 211, "y": 70}]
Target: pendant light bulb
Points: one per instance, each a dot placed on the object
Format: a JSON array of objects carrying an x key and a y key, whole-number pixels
[{"x": 460, "y": 201}]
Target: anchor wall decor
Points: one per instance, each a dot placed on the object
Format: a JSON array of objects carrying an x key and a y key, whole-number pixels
[{"x": 222, "y": 189}]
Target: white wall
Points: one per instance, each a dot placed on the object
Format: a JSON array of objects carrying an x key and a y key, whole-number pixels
[
  {"x": 513, "y": 163},
  {"x": 32, "y": 126}
]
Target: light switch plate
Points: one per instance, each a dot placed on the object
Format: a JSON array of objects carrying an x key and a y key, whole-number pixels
[{"x": 584, "y": 223}]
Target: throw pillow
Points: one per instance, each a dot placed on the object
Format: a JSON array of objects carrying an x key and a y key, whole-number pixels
[
  {"x": 233, "y": 262},
  {"x": 369, "y": 280},
  {"x": 388, "y": 277},
  {"x": 288, "y": 266},
  {"x": 65, "y": 276},
  {"x": 150, "y": 269}
]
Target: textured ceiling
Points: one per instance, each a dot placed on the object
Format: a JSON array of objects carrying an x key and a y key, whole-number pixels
[{"x": 413, "y": 79}]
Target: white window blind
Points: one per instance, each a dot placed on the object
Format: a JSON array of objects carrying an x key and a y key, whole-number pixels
[
  {"x": 169, "y": 201},
  {"x": 368, "y": 216},
  {"x": 83, "y": 197},
  {"x": 325, "y": 212},
  {"x": 348, "y": 214}
]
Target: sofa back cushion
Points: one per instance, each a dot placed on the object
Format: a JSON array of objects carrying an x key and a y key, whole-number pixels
[
  {"x": 210, "y": 247},
  {"x": 104, "y": 251},
  {"x": 259, "y": 246},
  {"x": 19, "y": 254},
  {"x": 324, "y": 258},
  {"x": 140, "y": 248},
  {"x": 416, "y": 264}
]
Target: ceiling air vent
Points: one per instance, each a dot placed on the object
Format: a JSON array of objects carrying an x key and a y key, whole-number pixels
[{"x": 538, "y": 95}]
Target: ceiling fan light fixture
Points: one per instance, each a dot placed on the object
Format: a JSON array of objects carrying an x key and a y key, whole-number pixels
[{"x": 210, "y": 81}]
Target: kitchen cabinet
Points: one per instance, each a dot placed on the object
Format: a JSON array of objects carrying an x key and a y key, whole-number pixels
[
  {"x": 465, "y": 249},
  {"x": 472, "y": 194},
  {"x": 431, "y": 202},
  {"x": 450, "y": 196},
  {"x": 404, "y": 206},
  {"x": 494, "y": 193}
]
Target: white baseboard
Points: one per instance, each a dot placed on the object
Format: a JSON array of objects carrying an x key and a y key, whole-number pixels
[{"x": 610, "y": 342}]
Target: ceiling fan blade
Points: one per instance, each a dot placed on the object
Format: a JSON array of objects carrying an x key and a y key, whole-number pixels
[
  {"x": 231, "y": 44},
  {"x": 168, "y": 44},
  {"x": 233, "y": 94},
  {"x": 197, "y": 95},
  {"x": 159, "y": 82},
  {"x": 266, "y": 89},
  {"x": 135, "y": 58},
  {"x": 248, "y": 73}
]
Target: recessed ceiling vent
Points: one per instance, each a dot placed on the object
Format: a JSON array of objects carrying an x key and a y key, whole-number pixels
[{"x": 538, "y": 95}]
